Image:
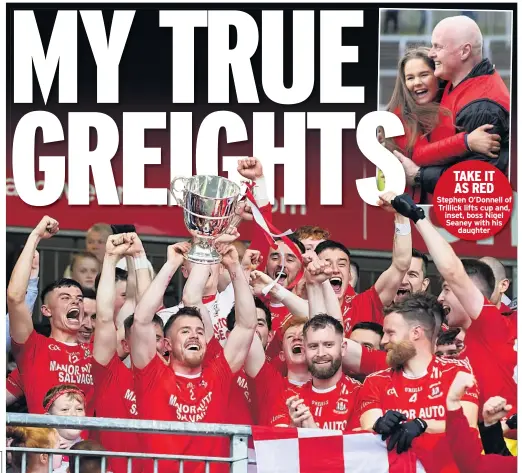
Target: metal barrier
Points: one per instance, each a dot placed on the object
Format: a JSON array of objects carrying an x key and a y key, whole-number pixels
[{"x": 238, "y": 434}]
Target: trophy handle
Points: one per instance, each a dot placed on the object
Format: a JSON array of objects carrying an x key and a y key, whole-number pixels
[{"x": 175, "y": 191}]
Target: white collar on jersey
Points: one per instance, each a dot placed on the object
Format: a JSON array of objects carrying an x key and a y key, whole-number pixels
[
  {"x": 297, "y": 383},
  {"x": 188, "y": 376},
  {"x": 409, "y": 376},
  {"x": 323, "y": 391},
  {"x": 276, "y": 304}
]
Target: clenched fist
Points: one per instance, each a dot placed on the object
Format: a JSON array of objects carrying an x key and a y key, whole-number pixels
[
  {"x": 250, "y": 168},
  {"x": 46, "y": 228}
]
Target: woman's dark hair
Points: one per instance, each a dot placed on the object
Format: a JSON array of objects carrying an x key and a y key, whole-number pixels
[{"x": 418, "y": 119}]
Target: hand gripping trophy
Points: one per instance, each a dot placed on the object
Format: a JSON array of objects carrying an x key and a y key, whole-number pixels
[{"x": 209, "y": 208}]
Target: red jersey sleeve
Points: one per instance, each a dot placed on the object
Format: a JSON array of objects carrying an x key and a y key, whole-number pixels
[
  {"x": 214, "y": 349},
  {"x": 25, "y": 353},
  {"x": 426, "y": 153},
  {"x": 490, "y": 325},
  {"x": 14, "y": 384},
  {"x": 372, "y": 361},
  {"x": 363, "y": 307},
  {"x": 370, "y": 393},
  {"x": 147, "y": 382},
  {"x": 267, "y": 389},
  {"x": 102, "y": 375},
  {"x": 466, "y": 448},
  {"x": 221, "y": 373}
]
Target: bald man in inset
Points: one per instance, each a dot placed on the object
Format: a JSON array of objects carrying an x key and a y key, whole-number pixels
[{"x": 475, "y": 94}]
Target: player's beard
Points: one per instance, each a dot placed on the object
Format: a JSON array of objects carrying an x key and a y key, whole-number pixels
[
  {"x": 397, "y": 354},
  {"x": 325, "y": 371}
]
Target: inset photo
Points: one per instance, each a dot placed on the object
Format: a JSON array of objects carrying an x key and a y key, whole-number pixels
[{"x": 447, "y": 75}]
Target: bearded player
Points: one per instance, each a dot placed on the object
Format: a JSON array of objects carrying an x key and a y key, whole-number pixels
[
  {"x": 468, "y": 285},
  {"x": 183, "y": 391},
  {"x": 407, "y": 400}
]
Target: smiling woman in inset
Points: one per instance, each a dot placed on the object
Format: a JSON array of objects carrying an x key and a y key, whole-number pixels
[{"x": 415, "y": 100}]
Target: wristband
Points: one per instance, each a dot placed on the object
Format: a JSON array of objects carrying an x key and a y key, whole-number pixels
[
  {"x": 402, "y": 229},
  {"x": 141, "y": 262},
  {"x": 423, "y": 424},
  {"x": 279, "y": 293}
]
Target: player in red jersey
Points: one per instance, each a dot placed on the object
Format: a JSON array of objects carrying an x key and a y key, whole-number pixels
[
  {"x": 329, "y": 400},
  {"x": 407, "y": 400},
  {"x": 44, "y": 362},
  {"x": 499, "y": 297},
  {"x": 114, "y": 382},
  {"x": 182, "y": 391},
  {"x": 367, "y": 306},
  {"x": 489, "y": 343}
]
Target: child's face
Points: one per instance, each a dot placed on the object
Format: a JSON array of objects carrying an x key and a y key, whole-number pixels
[{"x": 68, "y": 405}]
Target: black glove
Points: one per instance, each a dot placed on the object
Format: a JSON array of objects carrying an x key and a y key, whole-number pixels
[
  {"x": 404, "y": 435},
  {"x": 387, "y": 424},
  {"x": 512, "y": 422},
  {"x": 404, "y": 205}
]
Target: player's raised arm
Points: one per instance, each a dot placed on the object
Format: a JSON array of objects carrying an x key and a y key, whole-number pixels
[
  {"x": 143, "y": 335},
  {"x": 296, "y": 305},
  {"x": 105, "y": 338},
  {"x": 389, "y": 282},
  {"x": 193, "y": 295},
  {"x": 447, "y": 262},
  {"x": 20, "y": 318},
  {"x": 240, "y": 338}
]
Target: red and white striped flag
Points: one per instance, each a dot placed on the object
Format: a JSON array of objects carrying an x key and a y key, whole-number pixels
[{"x": 290, "y": 450}]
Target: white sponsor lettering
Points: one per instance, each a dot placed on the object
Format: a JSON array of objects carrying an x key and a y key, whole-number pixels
[
  {"x": 72, "y": 374},
  {"x": 191, "y": 413},
  {"x": 335, "y": 425}
]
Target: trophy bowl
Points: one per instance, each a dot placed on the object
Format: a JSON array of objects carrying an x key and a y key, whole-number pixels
[{"x": 209, "y": 204}]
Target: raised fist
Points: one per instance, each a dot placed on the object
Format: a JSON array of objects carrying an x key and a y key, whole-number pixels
[
  {"x": 177, "y": 252},
  {"x": 46, "y": 228},
  {"x": 228, "y": 252},
  {"x": 495, "y": 409},
  {"x": 258, "y": 281},
  {"x": 318, "y": 271},
  {"x": 385, "y": 201},
  {"x": 136, "y": 246},
  {"x": 250, "y": 168},
  {"x": 117, "y": 245},
  {"x": 251, "y": 260}
]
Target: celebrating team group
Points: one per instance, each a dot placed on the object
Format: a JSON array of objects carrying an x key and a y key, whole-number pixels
[{"x": 276, "y": 337}]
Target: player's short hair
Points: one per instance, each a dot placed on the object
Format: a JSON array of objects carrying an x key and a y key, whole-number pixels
[
  {"x": 183, "y": 311},
  {"x": 63, "y": 282},
  {"x": 295, "y": 241},
  {"x": 329, "y": 245},
  {"x": 89, "y": 293},
  {"x": 293, "y": 321},
  {"x": 129, "y": 322},
  {"x": 422, "y": 308},
  {"x": 417, "y": 254},
  {"x": 82, "y": 255},
  {"x": 120, "y": 275},
  {"x": 87, "y": 463},
  {"x": 321, "y": 321},
  {"x": 448, "y": 337},
  {"x": 312, "y": 232},
  {"x": 481, "y": 275},
  {"x": 231, "y": 317},
  {"x": 69, "y": 390},
  {"x": 499, "y": 270},
  {"x": 100, "y": 228},
  {"x": 373, "y": 326}
]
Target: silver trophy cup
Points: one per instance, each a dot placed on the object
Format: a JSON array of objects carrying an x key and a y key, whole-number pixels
[{"x": 209, "y": 205}]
